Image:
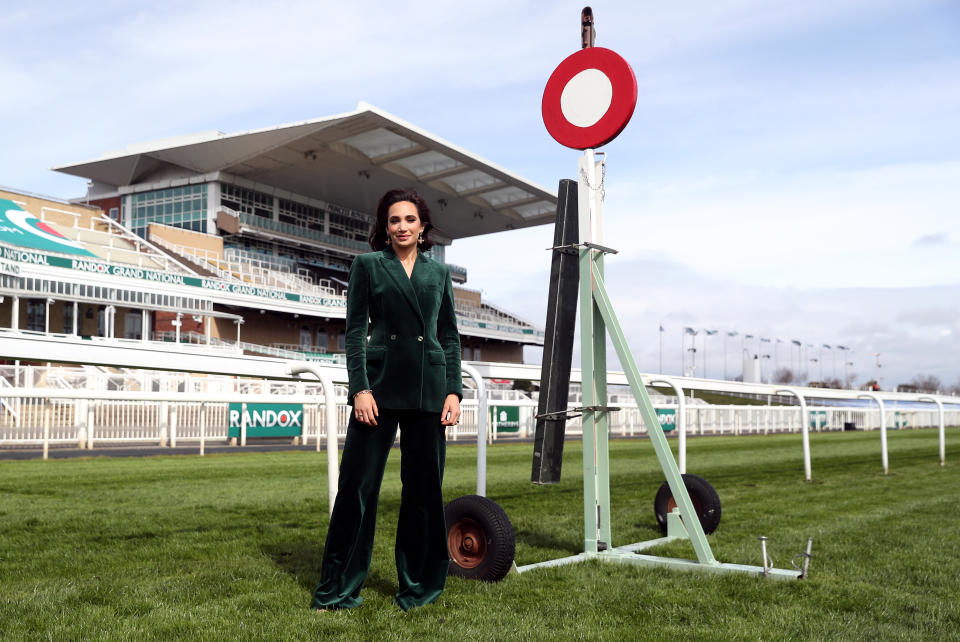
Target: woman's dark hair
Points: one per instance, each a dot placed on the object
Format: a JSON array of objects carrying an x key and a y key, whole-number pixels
[{"x": 378, "y": 233}]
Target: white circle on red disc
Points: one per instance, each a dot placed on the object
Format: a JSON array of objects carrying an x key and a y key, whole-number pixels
[
  {"x": 589, "y": 98},
  {"x": 586, "y": 98}
]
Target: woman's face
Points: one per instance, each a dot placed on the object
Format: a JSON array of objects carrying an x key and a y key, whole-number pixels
[{"x": 403, "y": 224}]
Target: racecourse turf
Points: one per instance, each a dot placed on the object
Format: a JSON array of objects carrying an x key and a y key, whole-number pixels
[{"x": 229, "y": 547}]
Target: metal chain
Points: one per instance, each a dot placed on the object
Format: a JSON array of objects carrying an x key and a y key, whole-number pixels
[{"x": 603, "y": 178}]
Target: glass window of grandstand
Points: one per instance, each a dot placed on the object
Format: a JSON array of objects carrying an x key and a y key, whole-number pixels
[
  {"x": 184, "y": 207},
  {"x": 350, "y": 225},
  {"x": 306, "y": 339},
  {"x": 36, "y": 315},
  {"x": 341, "y": 341},
  {"x": 132, "y": 325},
  {"x": 68, "y": 318},
  {"x": 246, "y": 201},
  {"x": 438, "y": 253},
  {"x": 301, "y": 215},
  {"x": 322, "y": 341},
  {"x": 101, "y": 322}
]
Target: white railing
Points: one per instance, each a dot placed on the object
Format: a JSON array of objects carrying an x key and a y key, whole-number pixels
[
  {"x": 9, "y": 406},
  {"x": 120, "y": 420},
  {"x": 240, "y": 268},
  {"x": 152, "y": 252},
  {"x": 195, "y": 338},
  {"x": 207, "y": 259}
]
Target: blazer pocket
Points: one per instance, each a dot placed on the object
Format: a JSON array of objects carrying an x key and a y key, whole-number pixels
[
  {"x": 437, "y": 358},
  {"x": 375, "y": 364}
]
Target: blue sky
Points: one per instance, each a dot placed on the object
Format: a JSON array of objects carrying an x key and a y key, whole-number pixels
[{"x": 791, "y": 171}]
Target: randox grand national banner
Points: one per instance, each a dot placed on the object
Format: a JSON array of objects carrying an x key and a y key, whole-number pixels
[{"x": 267, "y": 419}]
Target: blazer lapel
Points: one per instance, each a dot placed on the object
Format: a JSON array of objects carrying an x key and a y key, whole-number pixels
[
  {"x": 422, "y": 277},
  {"x": 391, "y": 263}
]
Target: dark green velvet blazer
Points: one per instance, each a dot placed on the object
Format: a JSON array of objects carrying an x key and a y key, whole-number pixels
[{"x": 412, "y": 357}]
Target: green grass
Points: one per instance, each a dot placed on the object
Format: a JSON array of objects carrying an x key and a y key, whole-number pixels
[{"x": 229, "y": 547}]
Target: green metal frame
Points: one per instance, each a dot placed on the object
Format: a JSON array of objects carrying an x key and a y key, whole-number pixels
[{"x": 597, "y": 318}]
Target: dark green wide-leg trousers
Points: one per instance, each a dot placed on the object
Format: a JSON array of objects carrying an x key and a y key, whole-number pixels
[{"x": 421, "y": 545}]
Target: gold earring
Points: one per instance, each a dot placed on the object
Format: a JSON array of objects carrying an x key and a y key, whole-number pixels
[{"x": 420, "y": 239}]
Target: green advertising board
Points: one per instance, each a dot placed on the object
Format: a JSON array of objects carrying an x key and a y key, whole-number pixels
[
  {"x": 668, "y": 418},
  {"x": 506, "y": 418},
  {"x": 818, "y": 419},
  {"x": 267, "y": 419}
]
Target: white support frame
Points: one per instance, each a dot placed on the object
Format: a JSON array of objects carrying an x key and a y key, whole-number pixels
[
  {"x": 943, "y": 440},
  {"x": 804, "y": 429},
  {"x": 681, "y": 421},
  {"x": 883, "y": 429}
]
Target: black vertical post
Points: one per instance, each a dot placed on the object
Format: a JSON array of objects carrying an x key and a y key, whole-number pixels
[{"x": 558, "y": 340}]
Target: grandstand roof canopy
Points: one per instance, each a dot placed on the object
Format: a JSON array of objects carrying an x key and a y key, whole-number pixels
[{"x": 349, "y": 159}]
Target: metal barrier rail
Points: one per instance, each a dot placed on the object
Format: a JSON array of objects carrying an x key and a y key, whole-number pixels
[
  {"x": 132, "y": 420},
  {"x": 141, "y": 419},
  {"x": 46, "y": 416}
]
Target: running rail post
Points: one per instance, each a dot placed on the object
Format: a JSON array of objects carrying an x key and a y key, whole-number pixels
[
  {"x": 681, "y": 422},
  {"x": 943, "y": 441},
  {"x": 804, "y": 429},
  {"x": 330, "y": 419},
  {"x": 203, "y": 428},
  {"x": 883, "y": 428},
  {"x": 481, "y": 428},
  {"x": 46, "y": 427}
]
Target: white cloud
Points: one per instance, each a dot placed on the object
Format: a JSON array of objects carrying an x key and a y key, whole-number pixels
[{"x": 784, "y": 166}]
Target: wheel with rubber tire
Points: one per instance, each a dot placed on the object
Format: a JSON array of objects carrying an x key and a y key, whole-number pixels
[
  {"x": 706, "y": 503},
  {"x": 480, "y": 539}
]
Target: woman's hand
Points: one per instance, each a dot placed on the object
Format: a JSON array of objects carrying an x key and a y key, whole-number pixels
[
  {"x": 365, "y": 409},
  {"x": 450, "y": 414}
]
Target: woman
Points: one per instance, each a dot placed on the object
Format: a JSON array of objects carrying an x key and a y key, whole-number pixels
[{"x": 408, "y": 375}]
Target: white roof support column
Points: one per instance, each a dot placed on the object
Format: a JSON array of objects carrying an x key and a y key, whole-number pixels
[
  {"x": 804, "y": 429},
  {"x": 46, "y": 316},
  {"x": 109, "y": 319},
  {"x": 213, "y": 206},
  {"x": 943, "y": 441},
  {"x": 681, "y": 422},
  {"x": 883, "y": 428}
]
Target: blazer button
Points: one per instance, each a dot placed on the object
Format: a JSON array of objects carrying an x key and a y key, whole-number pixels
[
  {"x": 420, "y": 338},
  {"x": 393, "y": 337}
]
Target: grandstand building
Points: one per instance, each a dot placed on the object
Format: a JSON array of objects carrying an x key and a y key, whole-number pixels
[{"x": 244, "y": 241}]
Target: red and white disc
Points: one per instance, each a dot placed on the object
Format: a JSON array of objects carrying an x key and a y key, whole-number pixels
[{"x": 589, "y": 98}]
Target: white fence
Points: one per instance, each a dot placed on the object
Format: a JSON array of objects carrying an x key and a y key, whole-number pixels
[{"x": 92, "y": 420}]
